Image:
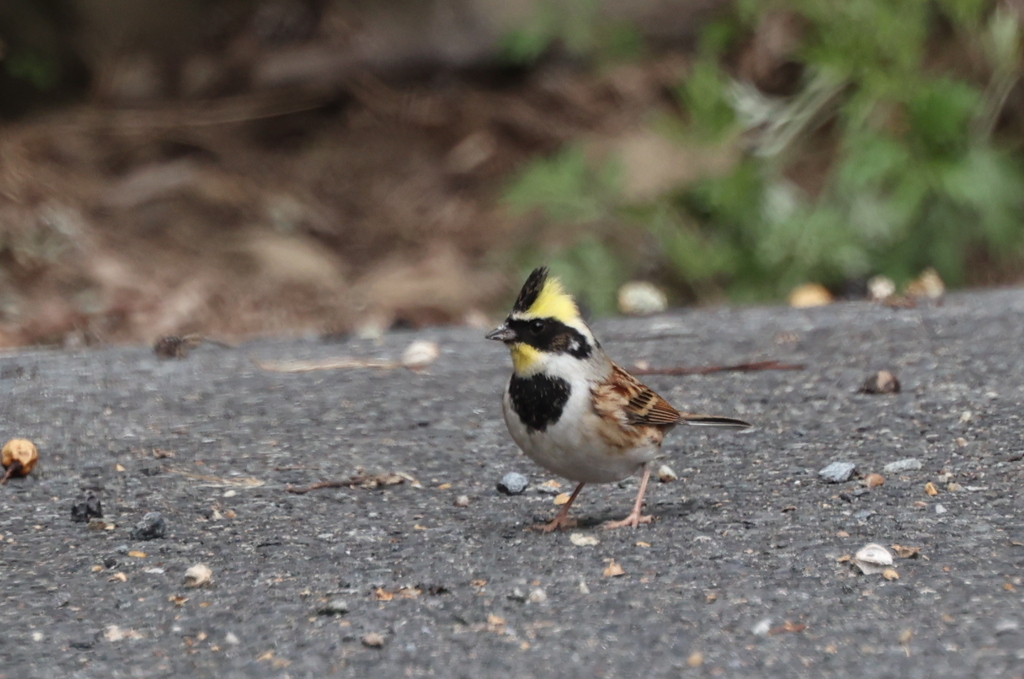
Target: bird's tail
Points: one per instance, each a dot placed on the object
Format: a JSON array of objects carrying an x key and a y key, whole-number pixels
[{"x": 713, "y": 421}]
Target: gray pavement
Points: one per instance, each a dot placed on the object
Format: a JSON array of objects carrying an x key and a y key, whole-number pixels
[{"x": 740, "y": 575}]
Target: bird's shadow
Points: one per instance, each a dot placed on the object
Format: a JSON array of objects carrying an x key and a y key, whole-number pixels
[{"x": 661, "y": 511}]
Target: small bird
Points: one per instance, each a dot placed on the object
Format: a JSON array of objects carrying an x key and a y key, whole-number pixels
[{"x": 571, "y": 409}]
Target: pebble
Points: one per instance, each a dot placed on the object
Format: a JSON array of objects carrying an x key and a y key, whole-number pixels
[
  {"x": 373, "y": 640},
  {"x": 909, "y": 464},
  {"x": 87, "y": 508},
  {"x": 640, "y": 298},
  {"x": 762, "y": 628},
  {"x": 333, "y": 607},
  {"x": 198, "y": 575},
  {"x": 882, "y": 382},
  {"x": 837, "y": 472},
  {"x": 151, "y": 527},
  {"x": 1007, "y": 626},
  {"x": 863, "y": 515},
  {"x": 461, "y": 501},
  {"x": 940, "y": 509},
  {"x": 538, "y": 596},
  {"x": 513, "y": 483}
]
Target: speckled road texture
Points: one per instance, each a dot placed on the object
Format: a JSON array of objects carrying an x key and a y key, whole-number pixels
[{"x": 747, "y": 539}]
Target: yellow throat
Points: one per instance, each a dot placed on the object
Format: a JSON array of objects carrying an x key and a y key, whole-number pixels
[{"x": 525, "y": 359}]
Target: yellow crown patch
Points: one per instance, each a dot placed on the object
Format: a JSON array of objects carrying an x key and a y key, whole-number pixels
[{"x": 554, "y": 302}]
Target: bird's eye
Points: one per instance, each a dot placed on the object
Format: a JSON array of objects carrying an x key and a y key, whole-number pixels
[{"x": 537, "y": 326}]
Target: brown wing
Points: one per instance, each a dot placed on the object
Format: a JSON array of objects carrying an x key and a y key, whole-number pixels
[{"x": 622, "y": 395}]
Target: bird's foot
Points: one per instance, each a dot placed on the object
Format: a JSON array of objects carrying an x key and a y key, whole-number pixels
[{"x": 634, "y": 520}]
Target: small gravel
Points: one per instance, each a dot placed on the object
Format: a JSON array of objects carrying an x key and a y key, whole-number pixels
[
  {"x": 837, "y": 472},
  {"x": 513, "y": 483},
  {"x": 333, "y": 607},
  {"x": 88, "y": 507},
  {"x": 151, "y": 527}
]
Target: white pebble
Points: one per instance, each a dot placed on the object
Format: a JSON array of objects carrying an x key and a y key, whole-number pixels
[
  {"x": 640, "y": 298},
  {"x": 872, "y": 558}
]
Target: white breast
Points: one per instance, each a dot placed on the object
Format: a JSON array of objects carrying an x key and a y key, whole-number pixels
[{"x": 572, "y": 447}]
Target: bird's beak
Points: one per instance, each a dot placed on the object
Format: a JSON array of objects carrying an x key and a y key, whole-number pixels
[{"x": 502, "y": 333}]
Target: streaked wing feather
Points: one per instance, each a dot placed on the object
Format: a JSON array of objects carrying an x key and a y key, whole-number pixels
[{"x": 643, "y": 407}]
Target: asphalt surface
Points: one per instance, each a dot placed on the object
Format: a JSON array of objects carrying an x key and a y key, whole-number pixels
[{"x": 741, "y": 574}]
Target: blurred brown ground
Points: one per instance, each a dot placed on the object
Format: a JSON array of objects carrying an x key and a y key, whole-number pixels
[{"x": 295, "y": 166}]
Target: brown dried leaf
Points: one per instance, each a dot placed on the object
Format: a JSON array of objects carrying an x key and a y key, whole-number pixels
[
  {"x": 327, "y": 364},
  {"x": 787, "y": 627},
  {"x": 890, "y": 574},
  {"x": 613, "y": 569},
  {"x": 906, "y": 552},
  {"x": 561, "y": 498}
]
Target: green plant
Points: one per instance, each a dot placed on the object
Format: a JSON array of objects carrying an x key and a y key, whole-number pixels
[
  {"x": 917, "y": 178},
  {"x": 565, "y": 190},
  {"x": 578, "y": 27},
  {"x": 903, "y": 98}
]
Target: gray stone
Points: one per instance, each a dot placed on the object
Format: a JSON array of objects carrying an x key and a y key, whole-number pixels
[
  {"x": 837, "y": 472},
  {"x": 151, "y": 527},
  {"x": 910, "y": 464},
  {"x": 513, "y": 483}
]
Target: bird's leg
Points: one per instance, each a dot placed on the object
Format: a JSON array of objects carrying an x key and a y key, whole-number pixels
[
  {"x": 635, "y": 518},
  {"x": 561, "y": 519}
]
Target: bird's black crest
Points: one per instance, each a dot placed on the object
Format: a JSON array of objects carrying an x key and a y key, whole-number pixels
[{"x": 531, "y": 289}]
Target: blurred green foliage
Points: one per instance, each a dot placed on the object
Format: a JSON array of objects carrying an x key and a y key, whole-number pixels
[
  {"x": 903, "y": 98},
  {"x": 36, "y": 68},
  {"x": 565, "y": 189},
  {"x": 577, "y": 28}
]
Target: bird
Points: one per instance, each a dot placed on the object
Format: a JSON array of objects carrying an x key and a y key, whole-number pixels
[{"x": 571, "y": 409}]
